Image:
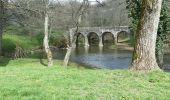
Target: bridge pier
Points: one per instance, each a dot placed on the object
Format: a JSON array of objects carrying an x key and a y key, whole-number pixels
[
  {"x": 100, "y": 49},
  {"x": 86, "y": 49},
  {"x": 100, "y": 41},
  {"x": 86, "y": 41},
  {"x": 115, "y": 39},
  {"x": 73, "y": 44}
]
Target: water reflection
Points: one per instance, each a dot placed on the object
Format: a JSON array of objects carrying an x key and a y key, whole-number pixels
[
  {"x": 101, "y": 49},
  {"x": 86, "y": 48}
]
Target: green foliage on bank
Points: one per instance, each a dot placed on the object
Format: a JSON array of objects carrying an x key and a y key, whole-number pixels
[
  {"x": 53, "y": 36},
  {"x": 29, "y": 80}
]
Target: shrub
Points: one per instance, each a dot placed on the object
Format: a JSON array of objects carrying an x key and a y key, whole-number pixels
[
  {"x": 40, "y": 38},
  {"x": 8, "y": 45}
]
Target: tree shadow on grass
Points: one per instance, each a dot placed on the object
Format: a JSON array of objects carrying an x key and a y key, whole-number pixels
[
  {"x": 41, "y": 57},
  {"x": 4, "y": 61},
  {"x": 82, "y": 66},
  {"x": 39, "y": 54},
  {"x": 42, "y": 62}
]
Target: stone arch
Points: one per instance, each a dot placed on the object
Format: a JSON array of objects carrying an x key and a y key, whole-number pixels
[
  {"x": 110, "y": 37},
  {"x": 122, "y": 36},
  {"x": 80, "y": 38},
  {"x": 93, "y": 38}
]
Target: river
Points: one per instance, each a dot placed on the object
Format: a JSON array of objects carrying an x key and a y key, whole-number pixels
[{"x": 104, "y": 57}]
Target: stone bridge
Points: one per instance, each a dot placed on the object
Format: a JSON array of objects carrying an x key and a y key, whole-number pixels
[{"x": 99, "y": 31}]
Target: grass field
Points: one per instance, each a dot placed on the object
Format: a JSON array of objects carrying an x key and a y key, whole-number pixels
[{"x": 27, "y": 79}]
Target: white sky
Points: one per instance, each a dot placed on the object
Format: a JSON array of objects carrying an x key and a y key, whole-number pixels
[
  {"x": 92, "y": 1},
  {"x": 82, "y": 0}
]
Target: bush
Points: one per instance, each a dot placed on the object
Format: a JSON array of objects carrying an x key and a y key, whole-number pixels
[
  {"x": 60, "y": 42},
  {"x": 40, "y": 38},
  {"x": 8, "y": 45}
]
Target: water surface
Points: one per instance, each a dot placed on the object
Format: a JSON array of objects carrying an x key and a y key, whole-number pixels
[{"x": 104, "y": 57}]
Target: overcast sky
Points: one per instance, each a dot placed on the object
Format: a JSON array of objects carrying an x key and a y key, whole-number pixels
[
  {"x": 82, "y": 0},
  {"x": 92, "y": 1}
]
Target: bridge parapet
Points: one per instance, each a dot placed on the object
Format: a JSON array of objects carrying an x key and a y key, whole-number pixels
[{"x": 97, "y": 28}]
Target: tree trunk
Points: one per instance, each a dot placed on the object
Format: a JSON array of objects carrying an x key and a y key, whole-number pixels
[
  {"x": 69, "y": 51},
  {"x": 67, "y": 56},
  {"x": 1, "y": 32},
  {"x": 1, "y": 23},
  {"x": 144, "y": 52},
  {"x": 160, "y": 52},
  {"x": 46, "y": 42}
]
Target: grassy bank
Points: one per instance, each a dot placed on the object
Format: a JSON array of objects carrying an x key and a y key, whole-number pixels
[
  {"x": 23, "y": 41},
  {"x": 28, "y": 79},
  {"x": 12, "y": 38}
]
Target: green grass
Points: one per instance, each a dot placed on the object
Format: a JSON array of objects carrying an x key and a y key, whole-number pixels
[
  {"x": 11, "y": 40},
  {"x": 13, "y": 37},
  {"x": 16, "y": 36},
  {"x": 27, "y": 79},
  {"x": 23, "y": 41}
]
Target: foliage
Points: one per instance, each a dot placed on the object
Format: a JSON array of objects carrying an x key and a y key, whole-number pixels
[
  {"x": 39, "y": 38},
  {"x": 133, "y": 7},
  {"x": 28, "y": 79},
  {"x": 53, "y": 36},
  {"x": 8, "y": 45},
  {"x": 163, "y": 32},
  {"x": 60, "y": 42}
]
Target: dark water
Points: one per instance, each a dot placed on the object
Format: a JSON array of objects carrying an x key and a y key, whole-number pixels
[{"x": 103, "y": 57}]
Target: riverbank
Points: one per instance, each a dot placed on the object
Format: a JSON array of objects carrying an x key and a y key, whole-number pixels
[
  {"x": 127, "y": 46},
  {"x": 122, "y": 46},
  {"x": 29, "y": 79}
]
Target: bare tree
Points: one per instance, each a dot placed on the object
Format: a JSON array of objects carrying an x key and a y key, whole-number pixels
[
  {"x": 77, "y": 18},
  {"x": 46, "y": 35},
  {"x": 39, "y": 9}
]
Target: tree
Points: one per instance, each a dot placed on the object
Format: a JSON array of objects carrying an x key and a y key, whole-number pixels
[
  {"x": 76, "y": 17},
  {"x": 40, "y": 11},
  {"x": 133, "y": 7},
  {"x": 46, "y": 35},
  {"x": 3, "y": 4},
  {"x": 144, "y": 51}
]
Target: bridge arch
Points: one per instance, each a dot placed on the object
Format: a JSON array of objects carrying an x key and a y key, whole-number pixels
[
  {"x": 108, "y": 37},
  {"x": 122, "y": 36},
  {"x": 80, "y": 39},
  {"x": 98, "y": 32},
  {"x": 93, "y": 38}
]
